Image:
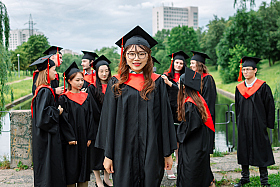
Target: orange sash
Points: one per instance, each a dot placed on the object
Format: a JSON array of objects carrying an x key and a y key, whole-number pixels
[
  {"x": 249, "y": 91},
  {"x": 76, "y": 97}
]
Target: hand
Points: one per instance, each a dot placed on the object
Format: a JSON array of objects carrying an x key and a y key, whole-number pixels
[
  {"x": 168, "y": 162},
  {"x": 83, "y": 90},
  {"x": 88, "y": 143},
  {"x": 108, "y": 165},
  {"x": 73, "y": 143},
  {"x": 60, "y": 109},
  {"x": 166, "y": 81},
  {"x": 59, "y": 90}
]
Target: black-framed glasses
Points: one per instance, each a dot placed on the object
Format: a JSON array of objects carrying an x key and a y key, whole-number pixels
[{"x": 132, "y": 55}]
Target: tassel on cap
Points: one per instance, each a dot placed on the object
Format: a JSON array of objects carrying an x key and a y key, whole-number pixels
[
  {"x": 121, "y": 52},
  {"x": 92, "y": 76},
  {"x": 170, "y": 68},
  {"x": 48, "y": 76},
  {"x": 57, "y": 55},
  {"x": 240, "y": 72}
]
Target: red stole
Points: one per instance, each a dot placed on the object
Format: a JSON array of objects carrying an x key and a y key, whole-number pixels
[
  {"x": 176, "y": 77},
  {"x": 137, "y": 80},
  {"x": 205, "y": 74},
  {"x": 209, "y": 123},
  {"x": 104, "y": 87},
  {"x": 56, "y": 76},
  {"x": 90, "y": 78},
  {"x": 249, "y": 91},
  {"x": 34, "y": 73},
  {"x": 76, "y": 97},
  {"x": 36, "y": 92}
]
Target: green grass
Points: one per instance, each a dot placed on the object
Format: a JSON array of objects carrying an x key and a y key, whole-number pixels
[
  {"x": 19, "y": 89},
  {"x": 273, "y": 179},
  {"x": 269, "y": 74},
  {"x": 15, "y": 77},
  {"x": 217, "y": 153},
  {"x": 274, "y": 167},
  {"x": 5, "y": 163}
]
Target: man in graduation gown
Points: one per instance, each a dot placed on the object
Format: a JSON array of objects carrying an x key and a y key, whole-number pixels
[
  {"x": 255, "y": 111},
  {"x": 87, "y": 63},
  {"x": 57, "y": 59}
]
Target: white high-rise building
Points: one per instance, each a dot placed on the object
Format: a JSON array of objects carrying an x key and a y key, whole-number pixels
[
  {"x": 18, "y": 36},
  {"x": 165, "y": 17}
]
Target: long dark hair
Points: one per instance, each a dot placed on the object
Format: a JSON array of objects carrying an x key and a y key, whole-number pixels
[
  {"x": 149, "y": 84},
  {"x": 183, "y": 93},
  {"x": 171, "y": 74},
  {"x": 98, "y": 84}
]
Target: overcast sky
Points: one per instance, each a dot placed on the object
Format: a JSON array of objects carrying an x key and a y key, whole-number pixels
[{"x": 93, "y": 24}]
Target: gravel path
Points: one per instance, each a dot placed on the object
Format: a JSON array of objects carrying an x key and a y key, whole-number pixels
[{"x": 226, "y": 167}]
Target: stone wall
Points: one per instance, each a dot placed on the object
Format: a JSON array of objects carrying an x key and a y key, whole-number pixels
[{"x": 21, "y": 137}]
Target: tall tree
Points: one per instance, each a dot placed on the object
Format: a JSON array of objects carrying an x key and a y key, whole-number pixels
[
  {"x": 212, "y": 37},
  {"x": 161, "y": 38},
  {"x": 242, "y": 3},
  {"x": 245, "y": 29},
  {"x": 4, "y": 54},
  {"x": 270, "y": 14},
  {"x": 112, "y": 55}
]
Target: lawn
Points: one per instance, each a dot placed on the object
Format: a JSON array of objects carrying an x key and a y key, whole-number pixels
[
  {"x": 269, "y": 74},
  {"x": 15, "y": 77},
  {"x": 19, "y": 89}
]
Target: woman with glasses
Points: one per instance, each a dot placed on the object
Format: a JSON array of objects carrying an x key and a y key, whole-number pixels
[
  {"x": 171, "y": 79},
  {"x": 138, "y": 136}
]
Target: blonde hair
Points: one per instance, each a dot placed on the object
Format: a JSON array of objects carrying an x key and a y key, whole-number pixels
[{"x": 42, "y": 78}]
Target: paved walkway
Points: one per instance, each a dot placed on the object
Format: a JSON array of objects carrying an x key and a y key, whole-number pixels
[
  {"x": 27, "y": 78},
  {"x": 226, "y": 167}
]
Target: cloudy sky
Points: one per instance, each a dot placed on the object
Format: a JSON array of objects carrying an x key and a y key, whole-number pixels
[{"x": 92, "y": 24}]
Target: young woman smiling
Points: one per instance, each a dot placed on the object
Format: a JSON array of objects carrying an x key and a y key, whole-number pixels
[{"x": 138, "y": 136}]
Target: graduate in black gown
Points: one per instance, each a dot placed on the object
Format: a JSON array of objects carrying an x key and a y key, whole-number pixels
[
  {"x": 47, "y": 156},
  {"x": 87, "y": 64},
  {"x": 171, "y": 79},
  {"x": 255, "y": 112},
  {"x": 97, "y": 93},
  {"x": 192, "y": 133},
  {"x": 208, "y": 91},
  {"x": 56, "y": 57},
  {"x": 77, "y": 127},
  {"x": 136, "y": 127}
]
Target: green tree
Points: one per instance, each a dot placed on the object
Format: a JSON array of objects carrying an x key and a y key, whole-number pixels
[
  {"x": 182, "y": 38},
  {"x": 163, "y": 59},
  {"x": 30, "y": 51},
  {"x": 270, "y": 14},
  {"x": 212, "y": 37},
  {"x": 246, "y": 29},
  {"x": 161, "y": 38},
  {"x": 4, "y": 54},
  {"x": 68, "y": 59}
]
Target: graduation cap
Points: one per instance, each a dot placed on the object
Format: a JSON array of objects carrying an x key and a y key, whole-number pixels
[
  {"x": 102, "y": 60},
  {"x": 89, "y": 55},
  {"x": 180, "y": 55},
  {"x": 200, "y": 57},
  {"x": 155, "y": 60},
  {"x": 52, "y": 51},
  {"x": 44, "y": 63},
  {"x": 136, "y": 36},
  {"x": 247, "y": 61},
  {"x": 73, "y": 68},
  {"x": 191, "y": 79}
]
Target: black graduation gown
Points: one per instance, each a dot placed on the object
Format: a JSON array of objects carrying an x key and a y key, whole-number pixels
[
  {"x": 172, "y": 95},
  {"x": 97, "y": 155},
  {"x": 76, "y": 125},
  {"x": 193, "y": 156},
  {"x": 48, "y": 164},
  {"x": 209, "y": 93},
  {"x": 137, "y": 134},
  {"x": 88, "y": 79},
  {"x": 253, "y": 116},
  {"x": 54, "y": 84}
]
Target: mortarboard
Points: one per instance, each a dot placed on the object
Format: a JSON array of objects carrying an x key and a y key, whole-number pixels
[
  {"x": 44, "y": 63},
  {"x": 247, "y": 61},
  {"x": 52, "y": 51},
  {"x": 89, "y": 55},
  {"x": 155, "y": 60},
  {"x": 200, "y": 57},
  {"x": 181, "y": 55},
  {"x": 73, "y": 68},
  {"x": 191, "y": 79},
  {"x": 102, "y": 60}
]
